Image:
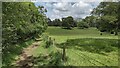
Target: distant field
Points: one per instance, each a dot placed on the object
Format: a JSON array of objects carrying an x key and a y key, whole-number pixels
[{"x": 61, "y": 35}]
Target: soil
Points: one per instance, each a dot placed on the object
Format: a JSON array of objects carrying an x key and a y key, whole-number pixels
[{"x": 25, "y": 60}]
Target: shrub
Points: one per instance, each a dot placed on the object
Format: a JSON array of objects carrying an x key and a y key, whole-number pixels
[
  {"x": 49, "y": 42},
  {"x": 55, "y": 58}
]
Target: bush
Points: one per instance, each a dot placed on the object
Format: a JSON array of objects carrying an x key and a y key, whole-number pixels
[
  {"x": 49, "y": 42},
  {"x": 20, "y": 22},
  {"x": 56, "y": 58}
]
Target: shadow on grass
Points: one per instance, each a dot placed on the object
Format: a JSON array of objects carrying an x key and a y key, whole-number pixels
[
  {"x": 16, "y": 49},
  {"x": 45, "y": 60},
  {"x": 100, "y": 46},
  {"x": 66, "y": 28},
  {"x": 52, "y": 59}
]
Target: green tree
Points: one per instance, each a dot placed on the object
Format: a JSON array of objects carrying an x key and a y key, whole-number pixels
[
  {"x": 91, "y": 20},
  {"x": 107, "y": 15},
  {"x": 67, "y": 22},
  {"x": 82, "y": 24},
  {"x": 49, "y": 22},
  {"x": 21, "y": 21},
  {"x": 57, "y": 22}
]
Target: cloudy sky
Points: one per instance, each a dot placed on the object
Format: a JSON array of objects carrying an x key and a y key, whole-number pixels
[{"x": 78, "y": 9}]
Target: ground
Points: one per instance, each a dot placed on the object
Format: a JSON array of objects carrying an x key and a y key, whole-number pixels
[{"x": 103, "y": 52}]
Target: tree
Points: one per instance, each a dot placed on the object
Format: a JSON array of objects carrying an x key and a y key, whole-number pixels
[
  {"x": 107, "y": 23},
  {"x": 82, "y": 24},
  {"x": 91, "y": 20},
  {"x": 118, "y": 24},
  {"x": 107, "y": 14},
  {"x": 67, "y": 22},
  {"x": 49, "y": 22},
  {"x": 57, "y": 22},
  {"x": 21, "y": 21}
]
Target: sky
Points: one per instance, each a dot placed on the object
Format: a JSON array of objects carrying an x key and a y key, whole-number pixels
[{"x": 76, "y": 9}]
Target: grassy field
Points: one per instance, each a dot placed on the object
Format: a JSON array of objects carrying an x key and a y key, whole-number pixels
[
  {"x": 82, "y": 55},
  {"x": 86, "y": 47},
  {"x": 61, "y": 35}
]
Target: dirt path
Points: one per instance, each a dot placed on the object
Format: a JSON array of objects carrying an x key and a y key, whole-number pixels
[{"x": 25, "y": 60}]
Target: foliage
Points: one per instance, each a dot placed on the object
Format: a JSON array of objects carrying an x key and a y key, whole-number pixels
[
  {"x": 49, "y": 42},
  {"x": 52, "y": 59},
  {"x": 21, "y": 21},
  {"x": 107, "y": 23},
  {"x": 118, "y": 16},
  {"x": 107, "y": 16},
  {"x": 57, "y": 22},
  {"x": 82, "y": 25},
  {"x": 14, "y": 51},
  {"x": 56, "y": 58},
  {"x": 67, "y": 22},
  {"x": 91, "y": 20}
]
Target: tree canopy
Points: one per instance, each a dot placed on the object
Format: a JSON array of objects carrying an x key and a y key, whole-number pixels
[
  {"x": 67, "y": 22},
  {"x": 21, "y": 21},
  {"x": 107, "y": 16}
]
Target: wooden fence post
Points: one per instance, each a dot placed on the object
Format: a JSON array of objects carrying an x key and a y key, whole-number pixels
[{"x": 64, "y": 54}]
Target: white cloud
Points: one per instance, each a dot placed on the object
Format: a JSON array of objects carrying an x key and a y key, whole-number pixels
[
  {"x": 70, "y": 0},
  {"x": 79, "y": 9},
  {"x": 81, "y": 4}
]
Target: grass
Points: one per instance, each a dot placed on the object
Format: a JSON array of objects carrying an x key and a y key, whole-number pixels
[
  {"x": 85, "y": 47},
  {"x": 89, "y": 48},
  {"x": 92, "y": 52},
  {"x": 85, "y": 57},
  {"x": 14, "y": 51},
  {"x": 61, "y": 35},
  {"x": 42, "y": 50}
]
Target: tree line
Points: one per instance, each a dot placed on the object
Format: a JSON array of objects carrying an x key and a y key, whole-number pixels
[
  {"x": 67, "y": 22},
  {"x": 105, "y": 17}
]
